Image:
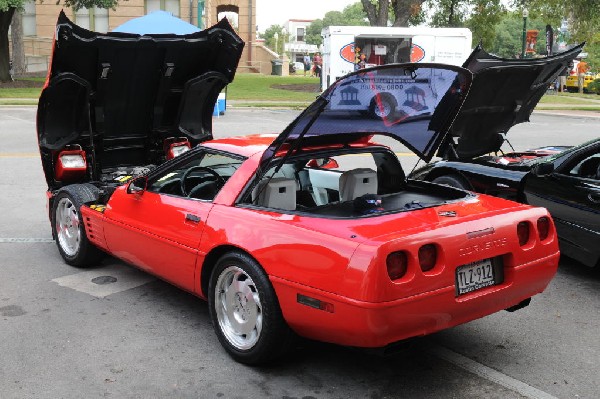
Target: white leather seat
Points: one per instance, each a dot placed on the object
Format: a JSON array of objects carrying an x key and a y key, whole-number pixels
[
  {"x": 357, "y": 182},
  {"x": 277, "y": 193}
]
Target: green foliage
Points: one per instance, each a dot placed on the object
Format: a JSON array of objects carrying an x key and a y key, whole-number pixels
[
  {"x": 508, "y": 42},
  {"x": 6, "y": 4},
  {"x": 313, "y": 32},
  {"x": 485, "y": 16},
  {"x": 481, "y": 16},
  {"x": 272, "y": 43},
  {"x": 352, "y": 15},
  {"x": 448, "y": 13},
  {"x": 592, "y": 47},
  {"x": 583, "y": 15},
  {"x": 418, "y": 18}
]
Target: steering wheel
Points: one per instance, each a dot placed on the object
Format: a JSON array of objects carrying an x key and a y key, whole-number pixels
[{"x": 217, "y": 178}]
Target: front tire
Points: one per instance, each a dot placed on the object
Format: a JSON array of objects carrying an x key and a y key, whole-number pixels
[
  {"x": 67, "y": 225},
  {"x": 245, "y": 312}
]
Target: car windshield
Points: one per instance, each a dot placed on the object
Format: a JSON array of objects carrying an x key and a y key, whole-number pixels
[{"x": 553, "y": 157}]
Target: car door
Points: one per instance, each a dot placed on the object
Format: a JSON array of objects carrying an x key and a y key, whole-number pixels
[
  {"x": 159, "y": 229},
  {"x": 572, "y": 195}
]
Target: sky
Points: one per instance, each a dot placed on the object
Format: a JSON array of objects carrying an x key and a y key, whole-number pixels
[{"x": 277, "y": 12}]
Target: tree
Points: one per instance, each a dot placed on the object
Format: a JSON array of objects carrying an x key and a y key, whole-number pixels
[
  {"x": 583, "y": 15},
  {"x": 406, "y": 11},
  {"x": 7, "y": 10},
  {"x": 270, "y": 41},
  {"x": 449, "y": 13},
  {"x": 481, "y": 16},
  {"x": 377, "y": 11},
  {"x": 508, "y": 40},
  {"x": 484, "y": 19},
  {"x": 352, "y": 15},
  {"x": 18, "y": 51}
]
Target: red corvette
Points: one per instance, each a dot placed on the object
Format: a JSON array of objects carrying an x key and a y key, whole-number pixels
[{"x": 314, "y": 232}]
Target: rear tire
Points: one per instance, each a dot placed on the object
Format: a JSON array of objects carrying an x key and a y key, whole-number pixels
[
  {"x": 452, "y": 181},
  {"x": 67, "y": 225},
  {"x": 245, "y": 312}
]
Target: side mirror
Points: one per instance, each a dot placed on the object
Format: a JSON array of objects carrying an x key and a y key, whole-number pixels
[
  {"x": 543, "y": 169},
  {"x": 137, "y": 185}
]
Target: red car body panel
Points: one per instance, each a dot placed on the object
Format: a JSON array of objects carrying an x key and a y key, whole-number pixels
[
  {"x": 339, "y": 261},
  {"x": 368, "y": 324}
]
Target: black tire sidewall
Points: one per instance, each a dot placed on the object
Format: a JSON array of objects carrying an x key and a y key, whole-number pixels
[
  {"x": 275, "y": 334},
  {"x": 87, "y": 254}
]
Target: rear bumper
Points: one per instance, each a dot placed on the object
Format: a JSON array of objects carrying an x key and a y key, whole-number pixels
[{"x": 371, "y": 325}]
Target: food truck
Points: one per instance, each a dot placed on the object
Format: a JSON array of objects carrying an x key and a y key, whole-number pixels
[{"x": 347, "y": 48}]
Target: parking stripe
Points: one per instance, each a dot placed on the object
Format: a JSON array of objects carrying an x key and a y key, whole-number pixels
[
  {"x": 25, "y": 240},
  {"x": 489, "y": 374}
]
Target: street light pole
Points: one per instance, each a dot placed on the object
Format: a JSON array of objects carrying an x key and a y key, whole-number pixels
[
  {"x": 525, "y": 15},
  {"x": 283, "y": 40}
]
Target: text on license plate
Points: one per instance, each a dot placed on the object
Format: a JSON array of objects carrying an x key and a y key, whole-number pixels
[{"x": 474, "y": 276}]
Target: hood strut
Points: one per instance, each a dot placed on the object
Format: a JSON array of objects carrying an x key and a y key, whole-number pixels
[{"x": 93, "y": 169}]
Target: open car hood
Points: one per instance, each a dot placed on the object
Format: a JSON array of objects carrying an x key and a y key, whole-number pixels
[
  {"x": 504, "y": 93},
  {"x": 413, "y": 103},
  {"x": 120, "y": 95}
]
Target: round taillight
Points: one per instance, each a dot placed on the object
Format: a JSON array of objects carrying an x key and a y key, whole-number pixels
[
  {"x": 397, "y": 264},
  {"x": 543, "y": 227},
  {"x": 523, "y": 233},
  {"x": 427, "y": 257}
]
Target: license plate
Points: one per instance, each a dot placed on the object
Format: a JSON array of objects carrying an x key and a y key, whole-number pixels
[{"x": 475, "y": 276}]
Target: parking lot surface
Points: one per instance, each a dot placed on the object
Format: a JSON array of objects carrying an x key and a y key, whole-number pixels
[{"x": 113, "y": 331}]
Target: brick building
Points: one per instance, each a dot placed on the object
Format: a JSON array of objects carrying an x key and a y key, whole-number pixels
[{"x": 39, "y": 20}]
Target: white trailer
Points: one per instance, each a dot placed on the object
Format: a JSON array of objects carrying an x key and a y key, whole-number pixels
[{"x": 343, "y": 46}]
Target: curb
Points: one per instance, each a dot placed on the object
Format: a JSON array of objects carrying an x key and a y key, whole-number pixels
[{"x": 569, "y": 113}]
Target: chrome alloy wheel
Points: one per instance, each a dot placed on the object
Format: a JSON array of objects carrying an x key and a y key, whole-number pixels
[
  {"x": 68, "y": 233},
  {"x": 238, "y": 308}
]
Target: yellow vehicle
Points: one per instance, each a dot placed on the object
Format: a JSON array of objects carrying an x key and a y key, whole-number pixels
[{"x": 572, "y": 84}]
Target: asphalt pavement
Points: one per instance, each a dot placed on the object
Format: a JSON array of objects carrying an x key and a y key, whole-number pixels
[{"x": 62, "y": 335}]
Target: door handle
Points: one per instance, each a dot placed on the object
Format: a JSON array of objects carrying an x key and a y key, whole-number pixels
[{"x": 192, "y": 218}]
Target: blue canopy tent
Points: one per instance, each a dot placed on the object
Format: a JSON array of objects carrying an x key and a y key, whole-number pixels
[
  {"x": 162, "y": 22},
  {"x": 157, "y": 22}
]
